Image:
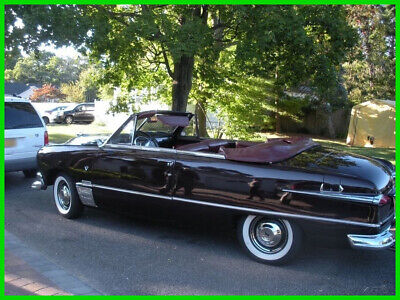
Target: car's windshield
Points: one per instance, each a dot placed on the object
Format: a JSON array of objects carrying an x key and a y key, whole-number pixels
[
  {"x": 154, "y": 125},
  {"x": 149, "y": 130}
]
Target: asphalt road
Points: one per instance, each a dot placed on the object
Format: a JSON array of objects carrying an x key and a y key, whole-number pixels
[{"x": 164, "y": 253}]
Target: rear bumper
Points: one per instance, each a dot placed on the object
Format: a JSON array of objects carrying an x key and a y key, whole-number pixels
[
  {"x": 382, "y": 240},
  {"x": 20, "y": 164}
]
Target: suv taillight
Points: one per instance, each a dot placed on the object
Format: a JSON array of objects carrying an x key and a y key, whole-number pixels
[{"x": 46, "y": 138}]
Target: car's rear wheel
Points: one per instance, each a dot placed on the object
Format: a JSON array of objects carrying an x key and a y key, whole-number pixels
[
  {"x": 66, "y": 197},
  {"x": 31, "y": 173},
  {"x": 269, "y": 240},
  {"x": 69, "y": 119}
]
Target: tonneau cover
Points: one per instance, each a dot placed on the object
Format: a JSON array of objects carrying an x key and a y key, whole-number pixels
[{"x": 273, "y": 151}]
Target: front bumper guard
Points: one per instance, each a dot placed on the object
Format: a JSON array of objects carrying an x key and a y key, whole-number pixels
[
  {"x": 383, "y": 240},
  {"x": 39, "y": 184}
]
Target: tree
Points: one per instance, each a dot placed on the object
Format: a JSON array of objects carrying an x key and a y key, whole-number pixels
[
  {"x": 89, "y": 82},
  {"x": 73, "y": 92},
  {"x": 175, "y": 47},
  {"x": 47, "y": 92},
  {"x": 136, "y": 43},
  {"x": 44, "y": 67},
  {"x": 370, "y": 68}
]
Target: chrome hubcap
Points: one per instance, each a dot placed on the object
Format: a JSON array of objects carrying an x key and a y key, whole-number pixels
[
  {"x": 64, "y": 195},
  {"x": 268, "y": 235}
]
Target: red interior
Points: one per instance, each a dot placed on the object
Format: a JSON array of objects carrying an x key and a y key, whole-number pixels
[{"x": 274, "y": 150}]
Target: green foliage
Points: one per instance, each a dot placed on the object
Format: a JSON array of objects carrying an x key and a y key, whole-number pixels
[
  {"x": 234, "y": 60},
  {"x": 370, "y": 69},
  {"x": 73, "y": 91},
  {"x": 124, "y": 103},
  {"x": 44, "y": 67},
  {"x": 89, "y": 80}
]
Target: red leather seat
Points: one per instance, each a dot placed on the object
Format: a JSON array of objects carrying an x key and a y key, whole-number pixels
[{"x": 205, "y": 146}]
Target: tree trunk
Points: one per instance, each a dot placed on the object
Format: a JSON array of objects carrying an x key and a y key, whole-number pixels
[
  {"x": 331, "y": 127},
  {"x": 182, "y": 84},
  {"x": 202, "y": 118},
  {"x": 279, "y": 93},
  {"x": 278, "y": 127}
]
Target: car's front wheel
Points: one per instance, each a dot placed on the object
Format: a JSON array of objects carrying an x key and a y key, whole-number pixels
[
  {"x": 66, "y": 197},
  {"x": 269, "y": 240}
]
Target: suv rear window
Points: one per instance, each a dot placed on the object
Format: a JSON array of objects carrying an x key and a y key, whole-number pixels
[{"x": 21, "y": 115}]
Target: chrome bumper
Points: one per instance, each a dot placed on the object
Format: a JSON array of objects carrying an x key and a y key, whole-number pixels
[
  {"x": 39, "y": 184},
  {"x": 383, "y": 240}
]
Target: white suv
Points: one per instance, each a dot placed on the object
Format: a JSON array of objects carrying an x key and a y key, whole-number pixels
[{"x": 25, "y": 133}]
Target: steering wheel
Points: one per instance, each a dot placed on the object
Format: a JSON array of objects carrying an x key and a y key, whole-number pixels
[{"x": 144, "y": 139}]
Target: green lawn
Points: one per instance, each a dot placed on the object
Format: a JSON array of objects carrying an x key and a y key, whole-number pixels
[{"x": 60, "y": 133}]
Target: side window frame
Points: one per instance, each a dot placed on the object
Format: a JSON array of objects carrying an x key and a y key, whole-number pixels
[{"x": 119, "y": 130}]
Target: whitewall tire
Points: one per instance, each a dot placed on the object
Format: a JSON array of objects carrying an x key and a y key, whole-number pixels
[
  {"x": 66, "y": 197},
  {"x": 269, "y": 240}
]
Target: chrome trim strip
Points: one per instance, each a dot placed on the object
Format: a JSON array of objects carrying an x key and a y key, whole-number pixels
[
  {"x": 167, "y": 150},
  {"x": 339, "y": 196},
  {"x": 123, "y": 190},
  {"x": 202, "y": 154},
  {"x": 248, "y": 210}
]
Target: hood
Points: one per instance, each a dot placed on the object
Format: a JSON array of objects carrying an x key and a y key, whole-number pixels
[{"x": 343, "y": 164}]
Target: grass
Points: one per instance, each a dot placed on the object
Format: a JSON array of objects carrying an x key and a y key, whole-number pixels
[{"x": 60, "y": 133}]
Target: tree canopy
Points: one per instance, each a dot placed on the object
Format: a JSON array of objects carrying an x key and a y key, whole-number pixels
[
  {"x": 370, "y": 67},
  {"x": 227, "y": 58},
  {"x": 44, "y": 67},
  {"x": 150, "y": 45}
]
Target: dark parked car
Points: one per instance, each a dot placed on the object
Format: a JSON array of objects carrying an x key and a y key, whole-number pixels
[
  {"x": 279, "y": 189},
  {"x": 80, "y": 113}
]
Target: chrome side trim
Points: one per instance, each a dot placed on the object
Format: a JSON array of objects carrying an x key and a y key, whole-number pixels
[
  {"x": 202, "y": 154},
  {"x": 245, "y": 209},
  {"x": 339, "y": 196},
  {"x": 124, "y": 190}
]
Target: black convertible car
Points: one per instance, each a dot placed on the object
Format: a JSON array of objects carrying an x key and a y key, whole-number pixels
[{"x": 279, "y": 189}]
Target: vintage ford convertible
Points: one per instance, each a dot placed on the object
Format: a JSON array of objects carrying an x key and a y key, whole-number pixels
[{"x": 280, "y": 189}]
